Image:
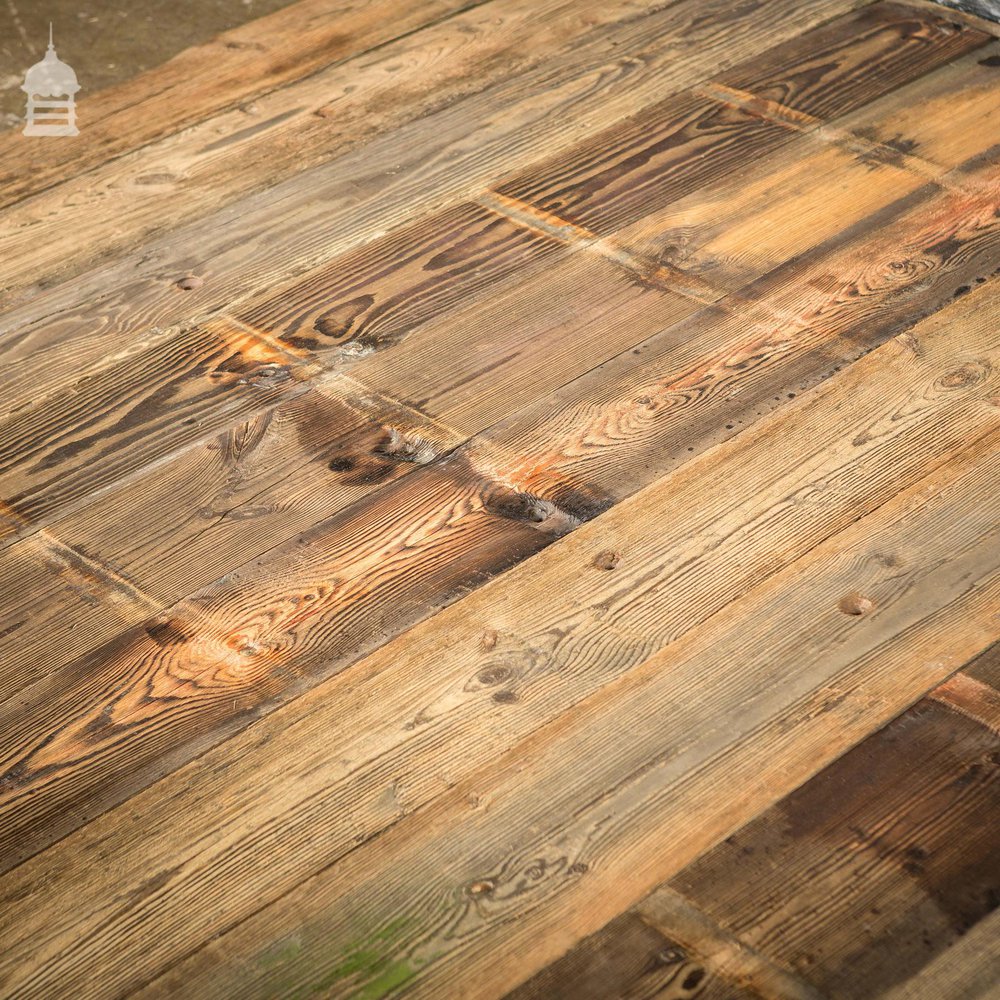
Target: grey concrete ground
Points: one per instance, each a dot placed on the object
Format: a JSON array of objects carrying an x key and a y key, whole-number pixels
[{"x": 107, "y": 41}]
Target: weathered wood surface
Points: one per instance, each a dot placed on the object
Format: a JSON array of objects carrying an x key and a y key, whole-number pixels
[
  {"x": 235, "y": 66},
  {"x": 485, "y": 884},
  {"x": 578, "y": 428},
  {"x": 491, "y": 670}
]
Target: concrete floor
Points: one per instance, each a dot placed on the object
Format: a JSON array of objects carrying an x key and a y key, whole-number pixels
[{"x": 107, "y": 41}]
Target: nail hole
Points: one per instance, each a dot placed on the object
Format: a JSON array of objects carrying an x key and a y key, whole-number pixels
[{"x": 191, "y": 282}]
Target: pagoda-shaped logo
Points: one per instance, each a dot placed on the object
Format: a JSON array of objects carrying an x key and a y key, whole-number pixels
[{"x": 51, "y": 86}]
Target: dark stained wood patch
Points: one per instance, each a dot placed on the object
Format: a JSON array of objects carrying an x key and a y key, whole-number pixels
[
  {"x": 876, "y": 866},
  {"x": 628, "y": 960}
]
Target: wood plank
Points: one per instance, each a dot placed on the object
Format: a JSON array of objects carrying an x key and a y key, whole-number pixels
[
  {"x": 943, "y": 118},
  {"x": 970, "y": 968},
  {"x": 986, "y": 668},
  {"x": 374, "y": 296},
  {"x": 502, "y": 349},
  {"x": 705, "y": 379},
  {"x": 133, "y": 413},
  {"x": 627, "y": 959},
  {"x": 814, "y": 189},
  {"x": 483, "y": 675},
  {"x": 286, "y": 131},
  {"x": 617, "y": 176},
  {"x": 426, "y": 164},
  {"x": 57, "y": 605},
  {"x": 840, "y": 66},
  {"x": 204, "y": 79},
  {"x": 870, "y": 871},
  {"x": 725, "y": 955},
  {"x": 500, "y": 874},
  {"x": 190, "y": 521}
]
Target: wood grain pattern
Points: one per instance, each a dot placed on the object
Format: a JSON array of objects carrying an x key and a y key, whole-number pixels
[
  {"x": 422, "y": 165},
  {"x": 628, "y": 959},
  {"x": 128, "y": 415},
  {"x": 504, "y": 860},
  {"x": 251, "y": 59},
  {"x": 623, "y": 173},
  {"x": 481, "y": 676},
  {"x": 456, "y": 503}
]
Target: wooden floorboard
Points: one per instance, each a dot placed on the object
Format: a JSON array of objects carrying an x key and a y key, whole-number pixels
[{"x": 502, "y": 502}]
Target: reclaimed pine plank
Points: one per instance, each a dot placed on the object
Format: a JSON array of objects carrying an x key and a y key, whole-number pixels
[
  {"x": 496, "y": 877},
  {"x": 509, "y": 350},
  {"x": 876, "y": 866},
  {"x": 807, "y": 193},
  {"x": 840, "y": 66},
  {"x": 204, "y": 79},
  {"x": 607, "y": 440},
  {"x": 55, "y": 605},
  {"x": 969, "y": 969},
  {"x": 485, "y": 674},
  {"x": 943, "y": 118},
  {"x": 286, "y": 131},
  {"x": 375, "y": 295},
  {"x": 618, "y": 175},
  {"x": 192, "y": 520},
  {"x": 705, "y": 379},
  {"x": 986, "y": 668},
  {"x": 130, "y": 414},
  {"x": 420, "y": 166}
]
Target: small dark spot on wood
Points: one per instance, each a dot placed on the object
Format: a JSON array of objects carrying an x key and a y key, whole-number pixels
[
  {"x": 960, "y": 291},
  {"x": 342, "y": 464},
  {"x": 608, "y": 559},
  {"x": 494, "y": 674},
  {"x": 856, "y": 604},
  {"x": 578, "y": 868},
  {"x": 504, "y": 697},
  {"x": 991, "y": 61},
  {"x": 169, "y": 633},
  {"x": 692, "y": 979},
  {"x": 190, "y": 282}
]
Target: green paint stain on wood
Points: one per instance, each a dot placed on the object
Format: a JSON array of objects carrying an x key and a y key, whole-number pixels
[{"x": 369, "y": 963}]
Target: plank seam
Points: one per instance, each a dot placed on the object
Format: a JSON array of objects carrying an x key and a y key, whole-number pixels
[
  {"x": 663, "y": 276},
  {"x": 805, "y": 124},
  {"x": 728, "y": 956},
  {"x": 970, "y": 697}
]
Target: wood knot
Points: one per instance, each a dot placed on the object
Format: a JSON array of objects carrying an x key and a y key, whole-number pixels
[
  {"x": 481, "y": 888},
  {"x": 488, "y": 639},
  {"x": 963, "y": 376},
  {"x": 190, "y": 282},
  {"x": 856, "y": 604},
  {"x": 608, "y": 559}
]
